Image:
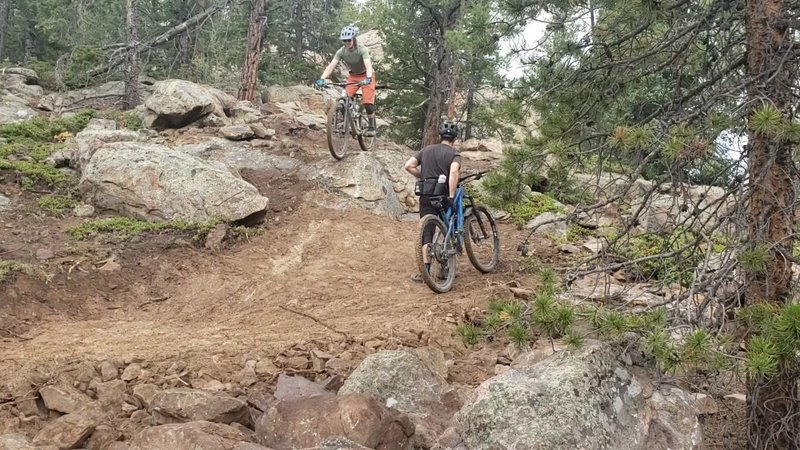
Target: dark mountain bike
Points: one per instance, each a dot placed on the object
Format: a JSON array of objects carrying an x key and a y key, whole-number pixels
[
  {"x": 448, "y": 228},
  {"x": 347, "y": 117}
]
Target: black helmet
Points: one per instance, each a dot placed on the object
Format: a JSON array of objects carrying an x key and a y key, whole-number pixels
[{"x": 448, "y": 129}]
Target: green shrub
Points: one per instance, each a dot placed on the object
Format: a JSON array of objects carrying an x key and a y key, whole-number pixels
[
  {"x": 55, "y": 204},
  {"x": 125, "y": 227},
  {"x": 577, "y": 233},
  {"x": 32, "y": 141},
  {"x": 43, "y": 172},
  {"x": 9, "y": 267},
  {"x": 534, "y": 206},
  {"x": 43, "y": 129},
  {"x": 672, "y": 269}
]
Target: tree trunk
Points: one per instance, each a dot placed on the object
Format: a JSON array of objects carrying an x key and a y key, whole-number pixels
[
  {"x": 470, "y": 110},
  {"x": 30, "y": 41},
  {"x": 132, "y": 61},
  {"x": 771, "y": 205},
  {"x": 299, "y": 30},
  {"x": 252, "y": 56},
  {"x": 183, "y": 42},
  {"x": 5, "y": 8},
  {"x": 440, "y": 83},
  {"x": 442, "y": 79},
  {"x": 774, "y": 406},
  {"x": 197, "y": 42}
]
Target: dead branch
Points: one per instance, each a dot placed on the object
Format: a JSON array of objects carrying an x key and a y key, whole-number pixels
[
  {"x": 119, "y": 56},
  {"x": 308, "y": 316}
]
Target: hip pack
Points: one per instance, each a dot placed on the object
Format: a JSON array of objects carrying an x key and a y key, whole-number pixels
[{"x": 429, "y": 187}]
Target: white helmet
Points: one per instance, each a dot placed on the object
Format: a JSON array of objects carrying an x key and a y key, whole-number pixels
[{"x": 348, "y": 32}]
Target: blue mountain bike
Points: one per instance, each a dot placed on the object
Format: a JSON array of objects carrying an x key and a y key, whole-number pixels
[{"x": 462, "y": 225}]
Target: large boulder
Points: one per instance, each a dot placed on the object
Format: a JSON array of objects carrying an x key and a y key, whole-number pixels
[
  {"x": 24, "y": 83},
  {"x": 309, "y": 421},
  {"x": 177, "y": 103},
  {"x": 97, "y": 134},
  {"x": 413, "y": 382},
  {"x": 153, "y": 182},
  {"x": 235, "y": 155},
  {"x": 393, "y": 159},
  {"x": 294, "y": 99},
  {"x": 584, "y": 399},
  {"x": 675, "y": 424},
  {"x": 106, "y": 95},
  {"x": 14, "y": 108},
  {"x": 694, "y": 207},
  {"x": 188, "y": 405},
  {"x": 363, "y": 179},
  {"x": 667, "y": 206},
  {"x": 192, "y": 436},
  {"x": 19, "y": 90}
]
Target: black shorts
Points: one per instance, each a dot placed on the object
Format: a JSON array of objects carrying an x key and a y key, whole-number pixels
[{"x": 426, "y": 208}]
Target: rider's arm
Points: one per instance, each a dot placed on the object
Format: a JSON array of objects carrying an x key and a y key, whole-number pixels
[
  {"x": 329, "y": 70},
  {"x": 365, "y": 56},
  {"x": 332, "y": 66},
  {"x": 412, "y": 167},
  {"x": 455, "y": 169},
  {"x": 368, "y": 65}
]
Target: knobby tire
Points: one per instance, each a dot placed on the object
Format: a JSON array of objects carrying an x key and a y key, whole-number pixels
[
  {"x": 480, "y": 225},
  {"x": 365, "y": 142},
  {"x": 334, "y": 138},
  {"x": 440, "y": 231}
]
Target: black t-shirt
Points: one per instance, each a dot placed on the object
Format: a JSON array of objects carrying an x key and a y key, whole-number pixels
[{"x": 435, "y": 160}]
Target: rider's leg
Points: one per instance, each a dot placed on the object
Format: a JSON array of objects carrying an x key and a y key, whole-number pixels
[
  {"x": 368, "y": 93},
  {"x": 351, "y": 88},
  {"x": 370, "y": 108},
  {"x": 425, "y": 208}
]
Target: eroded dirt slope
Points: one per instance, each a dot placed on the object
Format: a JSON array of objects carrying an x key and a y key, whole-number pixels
[{"x": 349, "y": 269}]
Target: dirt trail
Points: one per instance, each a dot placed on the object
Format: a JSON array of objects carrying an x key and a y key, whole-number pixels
[{"x": 349, "y": 269}]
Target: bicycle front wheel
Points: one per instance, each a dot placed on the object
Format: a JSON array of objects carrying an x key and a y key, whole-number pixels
[
  {"x": 482, "y": 241},
  {"x": 337, "y": 130},
  {"x": 365, "y": 142},
  {"x": 439, "y": 253}
]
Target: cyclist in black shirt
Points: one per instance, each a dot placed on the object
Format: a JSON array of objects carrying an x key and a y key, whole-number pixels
[{"x": 440, "y": 162}]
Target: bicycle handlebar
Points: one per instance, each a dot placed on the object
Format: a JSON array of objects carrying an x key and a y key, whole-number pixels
[
  {"x": 377, "y": 86},
  {"x": 476, "y": 176}
]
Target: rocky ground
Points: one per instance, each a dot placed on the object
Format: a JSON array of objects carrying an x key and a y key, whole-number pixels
[{"x": 303, "y": 331}]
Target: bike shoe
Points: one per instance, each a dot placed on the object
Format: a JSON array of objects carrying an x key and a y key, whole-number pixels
[{"x": 369, "y": 132}]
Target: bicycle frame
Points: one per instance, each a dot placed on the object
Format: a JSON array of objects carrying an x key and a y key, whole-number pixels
[
  {"x": 454, "y": 215},
  {"x": 350, "y": 103}
]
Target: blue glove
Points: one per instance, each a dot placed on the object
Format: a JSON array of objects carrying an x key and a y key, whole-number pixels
[
  {"x": 319, "y": 84},
  {"x": 367, "y": 81}
]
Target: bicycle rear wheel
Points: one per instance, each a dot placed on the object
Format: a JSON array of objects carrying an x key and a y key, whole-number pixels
[
  {"x": 482, "y": 241},
  {"x": 337, "y": 130},
  {"x": 365, "y": 142},
  {"x": 442, "y": 272}
]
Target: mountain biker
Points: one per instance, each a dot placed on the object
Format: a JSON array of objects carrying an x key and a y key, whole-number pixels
[
  {"x": 436, "y": 165},
  {"x": 359, "y": 64}
]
